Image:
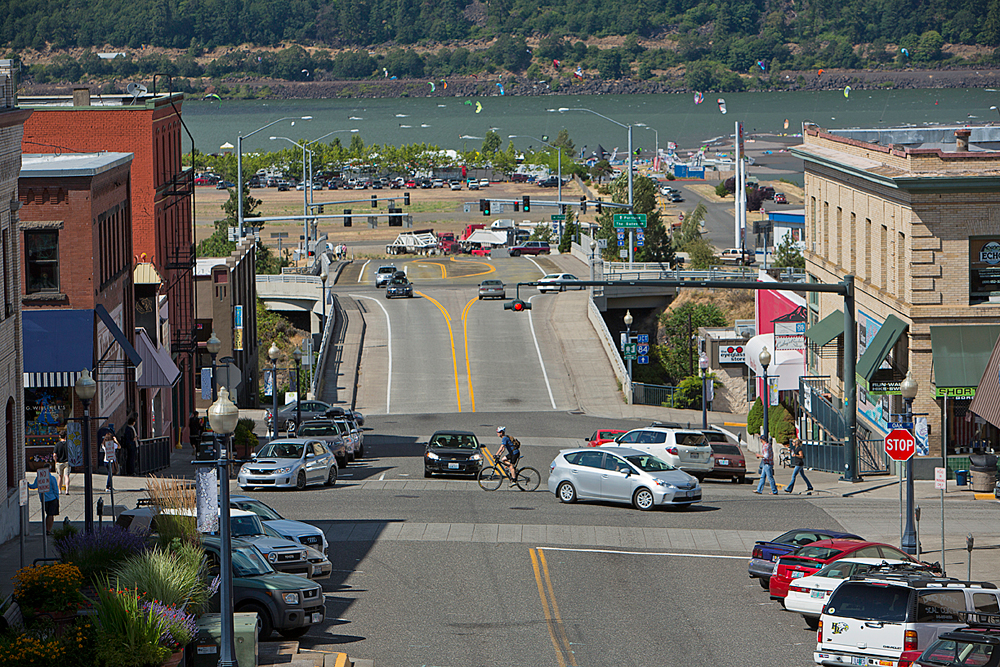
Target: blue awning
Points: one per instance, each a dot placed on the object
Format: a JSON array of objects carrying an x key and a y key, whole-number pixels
[{"x": 58, "y": 344}]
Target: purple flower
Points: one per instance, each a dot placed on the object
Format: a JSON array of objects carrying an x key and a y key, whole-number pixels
[{"x": 179, "y": 626}]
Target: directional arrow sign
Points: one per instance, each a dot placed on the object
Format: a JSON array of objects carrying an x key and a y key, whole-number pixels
[
  {"x": 630, "y": 219},
  {"x": 900, "y": 445}
]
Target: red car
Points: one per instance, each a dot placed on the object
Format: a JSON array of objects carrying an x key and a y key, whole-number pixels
[
  {"x": 603, "y": 436},
  {"x": 730, "y": 463},
  {"x": 811, "y": 558},
  {"x": 411, "y": 184}
]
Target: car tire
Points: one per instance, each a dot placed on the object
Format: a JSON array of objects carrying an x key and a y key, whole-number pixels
[
  {"x": 700, "y": 478},
  {"x": 300, "y": 481},
  {"x": 331, "y": 479},
  {"x": 264, "y": 621},
  {"x": 740, "y": 479},
  {"x": 812, "y": 622},
  {"x": 515, "y": 253},
  {"x": 480, "y": 297},
  {"x": 764, "y": 583},
  {"x": 294, "y": 633},
  {"x": 427, "y": 473},
  {"x": 643, "y": 499},
  {"x": 342, "y": 461},
  {"x": 245, "y": 488},
  {"x": 566, "y": 493},
  {"x": 361, "y": 452},
  {"x": 351, "y": 456}
]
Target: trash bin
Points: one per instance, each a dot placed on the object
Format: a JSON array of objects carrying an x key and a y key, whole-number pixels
[
  {"x": 205, "y": 646},
  {"x": 983, "y": 469},
  {"x": 961, "y": 477}
]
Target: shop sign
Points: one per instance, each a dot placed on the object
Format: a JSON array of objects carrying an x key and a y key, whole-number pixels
[
  {"x": 954, "y": 392},
  {"x": 732, "y": 354}
]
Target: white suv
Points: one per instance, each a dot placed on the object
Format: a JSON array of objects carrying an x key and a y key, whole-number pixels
[
  {"x": 687, "y": 449},
  {"x": 384, "y": 275},
  {"x": 876, "y": 619}
]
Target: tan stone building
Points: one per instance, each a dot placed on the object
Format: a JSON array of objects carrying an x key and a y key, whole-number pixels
[{"x": 914, "y": 215}]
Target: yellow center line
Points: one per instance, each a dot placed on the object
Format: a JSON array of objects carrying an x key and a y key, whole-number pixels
[
  {"x": 465, "y": 335},
  {"x": 490, "y": 267},
  {"x": 451, "y": 335},
  {"x": 444, "y": 269},
  {"x": 555, "y": 609},
  {"x": 545, "y": 607}
]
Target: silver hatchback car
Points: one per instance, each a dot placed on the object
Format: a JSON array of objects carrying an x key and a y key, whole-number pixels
[
  {"x": 620, "y": 474},
  {"x": 290, "y": 463}
]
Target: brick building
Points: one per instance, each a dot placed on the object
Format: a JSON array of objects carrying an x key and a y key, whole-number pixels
[
  {"x": 11, "y": 354},
  {"x": 77, "y": 296},
  {"x": 150, "y": 127},
  {"x": 914, "y": 215}
]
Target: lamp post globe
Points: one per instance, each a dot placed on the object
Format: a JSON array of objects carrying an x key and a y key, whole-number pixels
[
  {"x": 764, "y": 358},
  {"x": 628, "y": 318},
  {"x": 223, "y": 414},
  {"x": 86, "y": 389},
  {"x": 908, "y": 387},
  {"x": 213, "y": 345},
  {"x": 273, "y": 352},
  {"x": 85, "y": 386}
]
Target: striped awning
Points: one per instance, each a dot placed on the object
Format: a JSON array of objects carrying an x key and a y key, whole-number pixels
[
  {"x": 58, "y": 344},
  {"x": 986, "y": 402}
]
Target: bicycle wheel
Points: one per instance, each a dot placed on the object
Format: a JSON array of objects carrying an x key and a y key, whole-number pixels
[
  {"x": 528, "y": 479},
  {"x": 490, "y": 478}
]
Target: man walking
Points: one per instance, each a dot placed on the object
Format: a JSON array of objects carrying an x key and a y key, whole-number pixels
[
  {"x": 798, "y": 467},
  {"x": 766, "y": 467},
  {"x": 130, "y": 445}
]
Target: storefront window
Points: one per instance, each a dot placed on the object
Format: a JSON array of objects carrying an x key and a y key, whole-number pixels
[{"x": 45, "y": 415}]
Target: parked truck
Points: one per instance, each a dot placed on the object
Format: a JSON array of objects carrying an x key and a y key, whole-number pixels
[
  {"x": 448, "y": 243},
  {"x": 422, "y": 242},
  {"x": 469, "y": 229}
]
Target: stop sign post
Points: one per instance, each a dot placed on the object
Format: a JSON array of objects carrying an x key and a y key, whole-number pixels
[{"x": 900, "y": 445}]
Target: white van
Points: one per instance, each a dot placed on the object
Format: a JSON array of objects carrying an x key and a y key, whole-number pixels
[
  {"x": 687, "y": 449},
  {"x": 877, "y": 619}
]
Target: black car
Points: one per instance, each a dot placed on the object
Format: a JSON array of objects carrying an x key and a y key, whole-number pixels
[
  {"x": 283, "y": 187},
  {"x": 339, "y": 412},
  {"x": 426, "y": 185},
  {"x": 454, "y": 452},
  {"x": 399, "y": 286}
]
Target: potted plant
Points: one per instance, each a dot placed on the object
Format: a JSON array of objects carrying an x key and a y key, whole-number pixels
[
  {"x": 51, "y": 591},
  {"x": 128, "y": 632},
  {"x": 179, "y": 629}
]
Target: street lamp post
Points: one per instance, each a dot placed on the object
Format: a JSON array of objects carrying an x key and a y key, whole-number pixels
[
  {"x": 593, "y": 250},
  {"x": 306, "y": 184},
  {"x": 558, "y": 157},
  {"x": 273, "y": 353},
  {"x": 297, "y": 356},
  {"x": 239, "y": 167},
  {"x": 765, "y": 361},
  {"x": 223, "y": 416},
  {"x": 323, "y": 276},
  {"x": 657, "y": 153},
  {"x": 908, "y": 388},
  {"x": 628, "y": 338},
  {"x": 86, "y": 388},
  {"x": 631, "y": 245},
  {"x": 703, "y": 365}
]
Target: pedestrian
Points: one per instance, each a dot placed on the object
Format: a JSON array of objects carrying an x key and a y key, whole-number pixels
[
  {"x": 798, "y": 467},
  {"x": 194, "y": 427},
  {"x": 110, "y": 447},
  {"x": 766, "y": 467},
  {"x": 131, "y": 446},
  {"x": 61, "y": 458},
  {"x": 49, "y": 498}
]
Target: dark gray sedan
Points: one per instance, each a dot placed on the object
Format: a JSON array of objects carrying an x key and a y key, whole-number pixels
[
  {"x": 399, "y": 286},
  {"x": 455, "y": 452},
  {"x": 310, "y": 410}
]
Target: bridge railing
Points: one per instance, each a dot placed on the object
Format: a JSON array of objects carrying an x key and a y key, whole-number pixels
[
  {"x": 288, "y": 278},
  {"x": 319, "y": 368}
]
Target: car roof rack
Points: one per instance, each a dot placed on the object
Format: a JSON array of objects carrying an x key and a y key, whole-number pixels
[
  {"x": 979, "y": 619},
  {"x": 672, "y": 425},
  {"x": 916, "y": 577}
]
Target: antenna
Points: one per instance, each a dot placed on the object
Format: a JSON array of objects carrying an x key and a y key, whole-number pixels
[{"x": 135, "y": 90}]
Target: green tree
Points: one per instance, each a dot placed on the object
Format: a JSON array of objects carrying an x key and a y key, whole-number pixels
[
  {"x": 492, "y": 142},
  {"x": 702, "y": 254},
  {"x": 678, "y": 325},
  {"x": 930, "y": 45},
  {"x": 788, "y": 255},
  {"x": 564, "y": 143},
  {"x": 691, "y": 226},
  {"x": 542, "y": 232},
  {"x": 569, "y": 233}
]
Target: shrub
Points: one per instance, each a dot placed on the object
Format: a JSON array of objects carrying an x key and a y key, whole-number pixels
[
  {"x": 53, "y": 587},
  {"x": 175, "y": 578},
  {"x": 755, "y": 418},
  {"x": 128, "y": 634},
  {"x": 179, "y": 626},
  {"x": 94, "y": 553},
  {"x": 721, "y": 190}
]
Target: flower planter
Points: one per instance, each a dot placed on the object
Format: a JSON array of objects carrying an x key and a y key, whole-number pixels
[
  {"x": 61, "y": 619},
  {"x": 174, "y": 660}
]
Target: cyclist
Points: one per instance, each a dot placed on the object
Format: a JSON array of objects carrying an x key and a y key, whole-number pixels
[{"x": 508, "y": 453}]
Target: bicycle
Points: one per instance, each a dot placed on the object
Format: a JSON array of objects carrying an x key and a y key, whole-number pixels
[{"x": 490, "y": 478}]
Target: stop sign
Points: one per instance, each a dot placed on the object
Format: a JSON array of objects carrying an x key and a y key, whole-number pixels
[{"x": 900, "y": 445}]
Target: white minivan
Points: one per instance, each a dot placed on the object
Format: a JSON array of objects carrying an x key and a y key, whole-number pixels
[{"x": 686, "y": 449}]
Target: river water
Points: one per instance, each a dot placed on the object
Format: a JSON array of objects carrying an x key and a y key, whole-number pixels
[{"x": 452, "y": 122}]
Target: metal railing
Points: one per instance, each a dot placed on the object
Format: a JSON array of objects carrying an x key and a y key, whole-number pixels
[
  {"x": 153, "y": 455},
  {"x": 872, "y": 459},
  {"x": 653, "y": 394},
  {"x": 824, "y": 455},
  {"x": 319, "y": 367},
  {"x": 817, "y": 401},
  {"x": 288, "y": 278},
  {"x": 656, "y": 271}
]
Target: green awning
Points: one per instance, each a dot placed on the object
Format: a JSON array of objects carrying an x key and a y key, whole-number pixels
[
  {"x": 878, "y": 348},
  {"x": 961, "y": 353},
  {"x": 827, "y": 328}
]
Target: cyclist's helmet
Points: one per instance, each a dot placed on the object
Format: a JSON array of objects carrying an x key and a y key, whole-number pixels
[{"x": 501, "y": 429}]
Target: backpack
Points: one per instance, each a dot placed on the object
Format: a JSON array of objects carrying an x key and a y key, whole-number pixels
[{"x": 515, "y": 443}]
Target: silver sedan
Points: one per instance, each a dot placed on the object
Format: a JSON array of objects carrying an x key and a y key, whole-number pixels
[
  {"x": 290, "y": 463},
  {"x": 620, "y": 474}
]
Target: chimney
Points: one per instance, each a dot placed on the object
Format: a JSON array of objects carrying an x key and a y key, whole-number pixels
[
  {"x": 8, "y": 88},
  {"x": 962, "y": 140},
  {"x": 81, "y": 96}
]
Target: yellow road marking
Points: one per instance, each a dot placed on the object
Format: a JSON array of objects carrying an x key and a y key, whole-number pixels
[
  {"x": 451, "y": 336},
  {"x": 465, "y": 335},
  {"x": 545, "y": 607},
  {"x": 444, "y": 270},
  {"x": 983, "y": 496},
  {"x": 555, "y": 609},
  {"x": 490, "y": 267},
  {"x": 341, "y": 660}
]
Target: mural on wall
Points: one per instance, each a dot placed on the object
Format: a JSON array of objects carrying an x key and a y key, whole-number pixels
[{"x": 874, "y": 407}]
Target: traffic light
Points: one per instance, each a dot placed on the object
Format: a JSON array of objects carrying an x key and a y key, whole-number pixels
[
  {"x": 406, "y": 198},
  {"x": 395, "y": 219},
  {"x": 526, "y": 203},
  {"x": 321, "y": 209},
  {"x": 374, "y": 201},
  {"x": 517, "y": 206},
  {"x": 484, "y": 206},
  {"x": 599, "y": 200},
  {"x": 347, "y": 220},
  {"x": 517, "y": 305},
  {"x": 583, "y": 204}
]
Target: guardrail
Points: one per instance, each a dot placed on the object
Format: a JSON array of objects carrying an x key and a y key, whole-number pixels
[
  {"x": 288, "y": 278},
  {"x": 653, "y": 394},
  {"x": 656, "y": 271},
  {"x": 153, "y": 454},
  {"x": 594, "y": 315},
  {"x": 319, "y": 367}
]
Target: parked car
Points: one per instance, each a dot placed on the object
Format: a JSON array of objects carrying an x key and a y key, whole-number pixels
[
  {"x": 437, "y": 183},
  {"x": 484, "y": 182},
  {"x": 327, "y": 431},
  {"x": 492, "y": 289},
  {"x": 550, "y": 182},
  {"x": 455, "y": 185},
  {"x": 810, "y": 559},
  {"x": 426, "y": 184},
  {"x": 975, "y": 644},
  {"x": 530, "y": 248},
  {"x": 473, "y": 185},
  {"x": 766, "y": 553},
  {"x": 603, "y": 436},
  {"x": 288, "y": 413},
  {"x": 730, "y": 463},
  {"x": 287, "y": 603},
  {"x": 620, "y": 474},
  {"x": 736, "y": 256},
  {"x": 808, "y": 595},
  {"x": 399, "y": 286},
  {"x": 411, "y": 184},
  {"x": 455, "y": 452},
  {"x": 779, "y": 198},
  {"x": 289, "y": 463},
  {"x": 384, "y": 274},
  {"x": 283, "y": 186},
  {"x": 558, "y": 282},
  {"x": 283, "y": 555},
  {"x": 876, "y": 618},
  {"x": 297, "y": 531},
  {"x": 684, "y": 449},
  {"x": 339, "y": 412}
]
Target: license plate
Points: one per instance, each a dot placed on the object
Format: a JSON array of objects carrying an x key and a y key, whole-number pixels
[
  {"x": 859, "y": 661},
  {"x": 818, "y": 594},
  {"x": 695, "y": 455},
  {"x": 452, "y": 466},
  {"x": 798, "y": 575},
  {"x": 723, "y": 462},
  {"x": 317, "y": 616}
]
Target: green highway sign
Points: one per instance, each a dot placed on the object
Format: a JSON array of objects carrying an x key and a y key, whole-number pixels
[
  {"x": 558, "y": 217},
  {"x": 630, "y": 219},
  {"x": 631, "y": 351}
]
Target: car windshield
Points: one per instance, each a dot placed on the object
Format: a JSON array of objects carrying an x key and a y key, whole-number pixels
[
  {"x": 387, "y": 269},
  {"x": 720, "y": 448},
  {"x": 281, "y": 450},
  {"x": 399, "y": 281},
  {"x": 649, "y": 463},
  {"x": 258, "y": 508},
  {"x": 950, "y": 652},
  {"x": 821, "y": 553},
  {"x": 241, "y": 526},
  {"x": 692, "y": 439},
  {"x": 247, "y": 562},
  {"x": 492, "y": 283},
  {"x": 454, "y": 441},
  {"x": 319, "y": 429},
  {"x": 551, "y": 276}
]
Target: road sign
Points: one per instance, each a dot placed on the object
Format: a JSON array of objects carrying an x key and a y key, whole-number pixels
[
  {"x": 629, "y": 350},
  {"x": 900, "y": 445},
  {"x": 941, "y": 478},
  {"x": 557, "y": 217},
  {"x": 643, "y": 359},
  {"x": 903, "y": 425},
  {"x": 623, "y": 253},
  {"x": 630, "y": 219},
  {"x": 642, "y": 338},
  {"x": 42, "y": 479},
  {"x": 643, "y": 348},
  {"x": 602, "y": 243}
]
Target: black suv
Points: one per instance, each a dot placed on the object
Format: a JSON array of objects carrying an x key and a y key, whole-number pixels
[{"x": 978, "y": 644}]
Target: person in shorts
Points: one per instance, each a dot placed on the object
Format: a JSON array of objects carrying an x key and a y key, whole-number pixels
[
  {"x": 50, "y": 498},
  {"x": 61, "y": 458}
]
